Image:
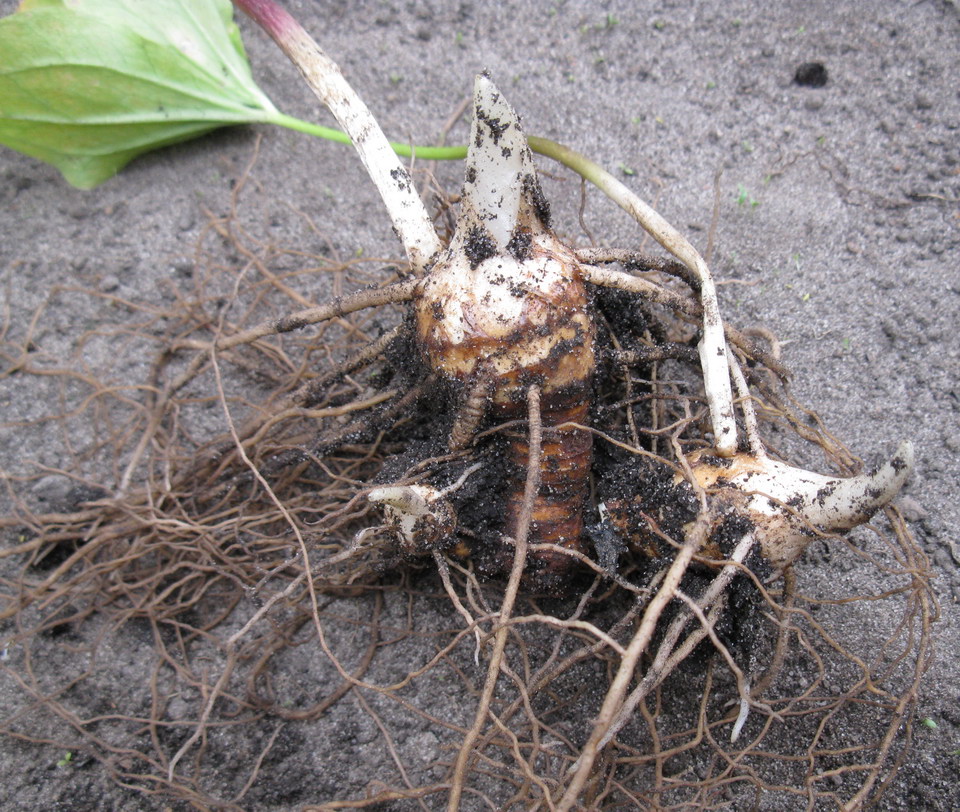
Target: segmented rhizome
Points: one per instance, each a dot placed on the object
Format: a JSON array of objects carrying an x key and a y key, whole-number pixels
[{"x": 505, "y": 308}]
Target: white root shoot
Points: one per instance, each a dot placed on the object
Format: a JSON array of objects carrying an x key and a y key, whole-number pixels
[
  {"x": 420, "y": 515},
  {"x": 789, "y": 506},
  {"x": 713, "y": 345},
  {"x": 406, "y": 209}
]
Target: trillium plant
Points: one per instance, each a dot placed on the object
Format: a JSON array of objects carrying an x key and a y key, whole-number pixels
[
  {"x": 517, "y": 333},
  {"x": 502, "y": 313}
]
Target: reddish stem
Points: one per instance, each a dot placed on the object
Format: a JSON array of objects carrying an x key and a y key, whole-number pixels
[{"x": 272, "y": 18}]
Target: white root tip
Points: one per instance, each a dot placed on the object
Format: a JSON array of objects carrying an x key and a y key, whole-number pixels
[
  {"x": 845, "y": 503},
  {"x": 742, "y": 715},
  {"x": 785, "y": 503},
  {"x": 831, "y": 504}
]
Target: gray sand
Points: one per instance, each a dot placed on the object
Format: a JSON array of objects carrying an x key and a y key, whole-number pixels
[{"x": 838, "y": 229}]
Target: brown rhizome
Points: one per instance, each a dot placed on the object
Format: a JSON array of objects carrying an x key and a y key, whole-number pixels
[
  {"x": 214, "y": 537},
  {"x": 273, "y": 605}
]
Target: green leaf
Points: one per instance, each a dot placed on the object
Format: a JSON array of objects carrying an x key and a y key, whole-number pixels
[{"x": 87, "y": 85}]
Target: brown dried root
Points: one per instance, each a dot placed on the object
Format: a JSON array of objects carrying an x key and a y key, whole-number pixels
[{"x": 624, "y": 691}]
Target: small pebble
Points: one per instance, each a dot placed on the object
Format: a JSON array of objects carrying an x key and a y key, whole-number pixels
[
  {"x": 943, "y": 560},
  {"x": 109, "y": 283},
  {"x": 183, "y": 267},
  {"x": 427, "y": 746},
  {"x": 811, "y": 74},
  {"x": 52, "y": 488}
]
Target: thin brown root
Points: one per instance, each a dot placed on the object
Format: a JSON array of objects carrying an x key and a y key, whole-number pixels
[{"x": 509, "y": 598}]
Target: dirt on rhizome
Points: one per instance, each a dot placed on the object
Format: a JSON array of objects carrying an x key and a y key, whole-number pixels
[{"x": 257, "y": 602}]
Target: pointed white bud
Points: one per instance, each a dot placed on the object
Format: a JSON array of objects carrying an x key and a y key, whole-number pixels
[{"x": 499, "y": 187}]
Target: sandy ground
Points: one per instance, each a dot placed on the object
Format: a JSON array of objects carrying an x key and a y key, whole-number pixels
[{"x": 839, "y": 229}]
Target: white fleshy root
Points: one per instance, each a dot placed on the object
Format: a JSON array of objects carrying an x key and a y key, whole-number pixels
[
  {"x": 713, "y": 344},
  {"x": 420, "y": 514},
  {"x": 788, "y": 503}
]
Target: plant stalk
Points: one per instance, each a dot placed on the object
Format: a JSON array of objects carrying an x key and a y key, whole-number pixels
[
  {"x": 406, "y": 209},
  {"x": 424, "y": 153}
]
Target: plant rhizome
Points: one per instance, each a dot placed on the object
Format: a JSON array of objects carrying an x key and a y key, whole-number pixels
[{"x": 510, "y": 565}]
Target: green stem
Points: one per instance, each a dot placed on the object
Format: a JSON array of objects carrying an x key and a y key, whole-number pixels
[
  {"x": 543, "y": 146},
  {"x": 455, "y": 153}
]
